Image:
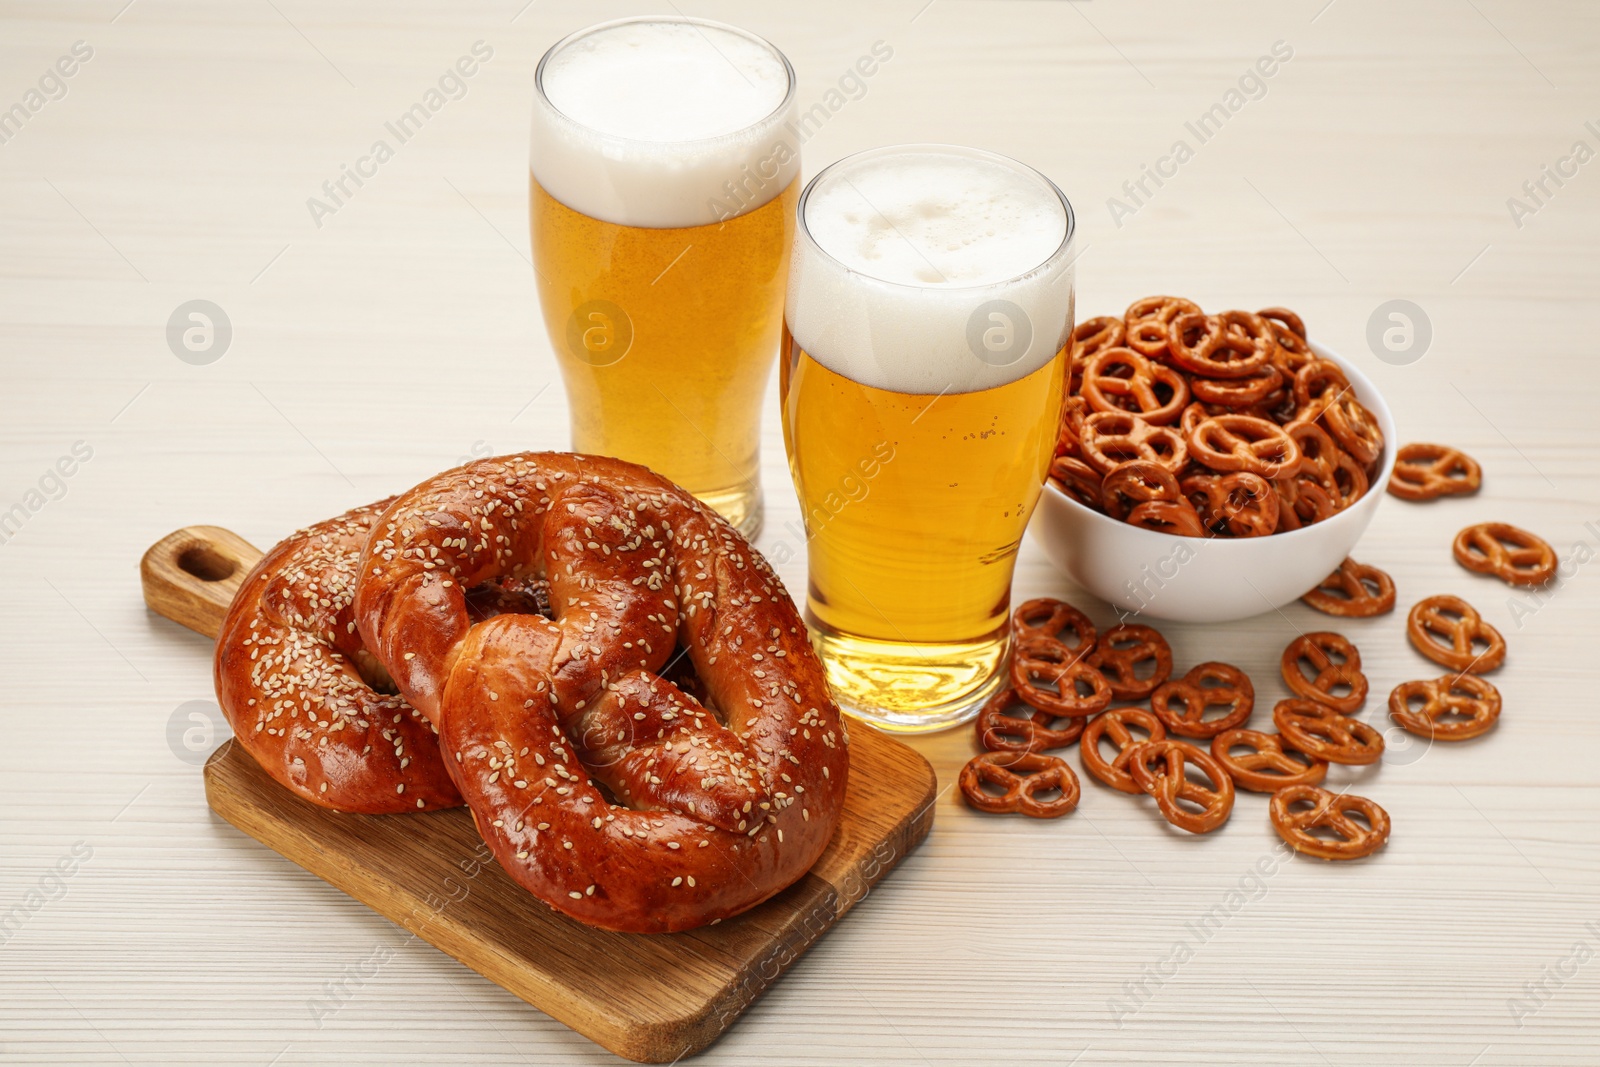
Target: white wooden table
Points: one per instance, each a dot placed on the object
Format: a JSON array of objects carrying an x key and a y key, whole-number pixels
[{"x": 401, "y": 335}]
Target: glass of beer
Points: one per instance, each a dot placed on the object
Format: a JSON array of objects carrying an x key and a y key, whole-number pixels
[
  {"x": 664, "y": 173},
  {"x": 923, "y": 372}
]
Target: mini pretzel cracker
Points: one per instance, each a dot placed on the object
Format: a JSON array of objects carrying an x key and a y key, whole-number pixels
[
  {"x": 1158, "y": 768},
  {"x": 1164, "y": 516},
  {"x": 1318, "y": 649},
  {"x": 1349, "y": 480},
  {"x": 1239, "y": 503},
  {"x": 1040, "y": 662},
  {"x": 1316, "y": 383},
  {"x": 1353, "y": 427},
  {"x": 1261, "y": 434},
  {"x": 1244, "y": 443},
  {"x": 1278, "y": 405},
  {"x": 1302, "y": 502},
  {"x": 1511, "y": 554},
  {"x": 1208, "y": 345},
  {"x": 1120, "y": 379},
  {"x": 1238, "y": 392},
  {"x": 1093, "y": 336},
  {"x": 1147, "y": 321},
  {"x": 1116, "y": 722},
  {"x": 1207, "y": 686},
  {"x": 1328, "y": 811},
  {"x": 1113, "y": 437},
  {"x": 1294, "y": 352},
  {"x": 1138, "y": 481},
  {"x": 1454, "y": 707},
  {"x": 1295, "y": 324},
  {"x": 1077, "y": 479},
  {"x": 1355, "y": 590},
  {"x": 1250, "y": 504},
  {"x": 1047, "y": 617},
  {"x": 1253, "y": 329},
  {"x": 1322, "y": 733},
  {"x": 1038, "y": 774},
  {"x": 1268, "y": 767},
  {"x": 1427, "y": 472},
  {"x": 1034, "y": 732},
  {"x": 1446, "y": 629},
  {"x": 1319, "y": 456},
  {"x": 1210, "y": 500},
  {"x": 1120, "y": 652},
  {"x": 1192, "y": 416},
  {"x": 1068, "y": 439}
]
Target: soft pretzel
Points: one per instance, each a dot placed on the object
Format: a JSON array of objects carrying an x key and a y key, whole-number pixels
[
  {"x": 291, "y": 675},
  {"x": 600, "y": 784}
]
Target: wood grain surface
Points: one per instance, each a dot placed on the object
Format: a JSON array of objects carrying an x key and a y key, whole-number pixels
[{"x": 402, "y": 334}]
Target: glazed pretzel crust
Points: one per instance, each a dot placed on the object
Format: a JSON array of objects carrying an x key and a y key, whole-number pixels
[
  {"x": 1169, "y": 785},
  {"x": 1328, "y": 810},
  {"x": 1119, "y": 653},
  {"x": 602, "y": 787},
  {"x": 1318, "y": 649},
  {"x": 1446, "y": 629},
  {"x": 1040, "y": 662},
  {"x": 1425, "y": 471},
  {"x": 1046, "y": 617},
  {"x": 1267, "y": 767},
  {"x": 1454, "y": 707},
  {"x": 1115, "y": 722},
  {"x": 1511, "y": 554},
  {"x": 1034, "y": 732},
  {"x": 1038, "y": 774},
  {"x": 1345, "y": 592},
  {"x": 288, "y": 676},
  {"x": 1322, "y": 733},
  {"x": 1233, "y": 690}
]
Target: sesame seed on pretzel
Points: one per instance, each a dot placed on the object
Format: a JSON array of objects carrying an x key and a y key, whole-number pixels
[
  {"x": 292, "y": 678},
  {"x": 601, "y": 785}
]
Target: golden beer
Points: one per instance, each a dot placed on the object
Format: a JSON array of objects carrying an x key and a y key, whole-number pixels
[
  {"x": 918, "y": 453},
  {"x": 676, "y": 380},
  {"x": 662, "y": 189}
]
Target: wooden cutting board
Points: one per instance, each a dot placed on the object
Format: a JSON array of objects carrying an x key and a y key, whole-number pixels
[{"x": 652, "y": 998}]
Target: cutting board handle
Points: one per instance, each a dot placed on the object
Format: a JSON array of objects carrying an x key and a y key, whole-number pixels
[{"x": 192, "y": 574}]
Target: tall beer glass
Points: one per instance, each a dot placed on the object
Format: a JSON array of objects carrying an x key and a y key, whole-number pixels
[
  {"x": 922, "y": 371},
  {"x": 663, "y": 178}
]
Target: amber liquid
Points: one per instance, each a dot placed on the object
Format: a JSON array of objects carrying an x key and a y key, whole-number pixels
[
  {"x": 915, "y": 506},
  {"x": 666, "y": 338}
]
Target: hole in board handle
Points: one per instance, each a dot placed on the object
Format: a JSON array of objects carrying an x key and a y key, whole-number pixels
[{"x": 206, "y": 563}]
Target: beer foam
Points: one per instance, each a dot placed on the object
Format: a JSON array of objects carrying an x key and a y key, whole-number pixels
[
  {"x": 931, "y": 269},
  {"x": 663, "y": 122}
]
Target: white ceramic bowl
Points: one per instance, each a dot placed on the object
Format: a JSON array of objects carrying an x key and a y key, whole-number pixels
[{"x": 1208, "y": 579}]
